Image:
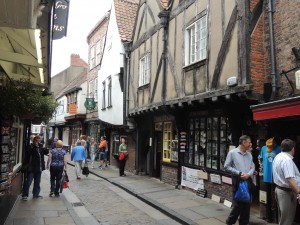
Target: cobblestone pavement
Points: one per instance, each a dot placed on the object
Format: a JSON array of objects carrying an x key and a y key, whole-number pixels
[{"x": 111, "y": 205}]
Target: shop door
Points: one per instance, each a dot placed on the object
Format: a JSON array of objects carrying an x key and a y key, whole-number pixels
[{"x": 157, "y": 154}]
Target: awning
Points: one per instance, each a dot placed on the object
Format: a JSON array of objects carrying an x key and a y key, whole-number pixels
[
  {"x": 289, "y": 107},
  {"x": 25, "y": 51}
]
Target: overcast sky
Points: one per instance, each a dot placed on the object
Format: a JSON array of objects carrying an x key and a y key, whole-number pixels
[{"x": 83, "y": 16}]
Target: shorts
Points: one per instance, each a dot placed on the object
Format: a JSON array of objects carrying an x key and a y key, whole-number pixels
[{"x": 102, "y": 156}]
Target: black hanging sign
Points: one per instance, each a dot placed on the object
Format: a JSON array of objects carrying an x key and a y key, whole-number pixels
[{"x": 60, "y": 18}]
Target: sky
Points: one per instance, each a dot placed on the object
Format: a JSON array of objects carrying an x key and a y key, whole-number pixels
[{"x": 83, "y": 16}]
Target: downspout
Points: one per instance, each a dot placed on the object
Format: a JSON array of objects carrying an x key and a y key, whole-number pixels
[
  {"x": 127, "y": 47},
  {"x": 272, "y": 49},
  {"x": 164, "y": 20}
]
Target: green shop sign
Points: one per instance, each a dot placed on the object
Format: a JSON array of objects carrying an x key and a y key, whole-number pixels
[{"x": 90, "y": 103}]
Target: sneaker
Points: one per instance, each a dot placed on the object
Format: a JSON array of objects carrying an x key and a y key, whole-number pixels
[
  {"x": 78, "y": 178},
  {"x": 57, "y": 195},
  {"x": 37, "y": 197},
  {"x": 100, "y": 168},
  {"x": 24, "y": 198},
  {"x": 51, "y": 194}
]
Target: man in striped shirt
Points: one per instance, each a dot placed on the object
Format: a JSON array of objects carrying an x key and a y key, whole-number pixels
[
  {"x": 239, "y": 163},
  {"x": 287, "y": 179}
]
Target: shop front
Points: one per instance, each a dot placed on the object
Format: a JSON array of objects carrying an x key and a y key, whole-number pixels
[{"x": 280, "y": 119}]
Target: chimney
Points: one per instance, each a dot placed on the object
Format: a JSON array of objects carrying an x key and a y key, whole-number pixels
[{"x": 77, "y": 61}]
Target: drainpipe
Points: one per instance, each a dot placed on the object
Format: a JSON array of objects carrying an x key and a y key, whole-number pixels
[
  {"x": 164, "y": 21},
  {"x": 272, "y": 49},
  {"x": 127, "y": 47}
]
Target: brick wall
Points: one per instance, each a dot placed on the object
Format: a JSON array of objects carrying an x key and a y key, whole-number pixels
[
  {"x": 223, "y": 190},
  {"x": 257, "y": 66},
  {"x": 287, "y": 36},
  {"x": 169, "y": 175}
]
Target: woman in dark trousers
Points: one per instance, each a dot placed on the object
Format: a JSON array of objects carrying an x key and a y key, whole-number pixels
[
  {"x": 58, "y": 162},
  {"x": 122, "y": 149}
]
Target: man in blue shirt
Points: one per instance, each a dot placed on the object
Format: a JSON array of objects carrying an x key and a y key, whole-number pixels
[{"x": 267, "y": 155}]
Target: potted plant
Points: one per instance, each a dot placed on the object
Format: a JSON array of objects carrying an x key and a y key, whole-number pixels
[{"x": 25, "y": 100}]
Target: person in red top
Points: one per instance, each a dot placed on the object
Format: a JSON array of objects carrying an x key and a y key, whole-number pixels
[{"x": 102, "y": 156}]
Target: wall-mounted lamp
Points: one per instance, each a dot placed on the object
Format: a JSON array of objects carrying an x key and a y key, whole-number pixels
[{"x": 296, "y": 52}]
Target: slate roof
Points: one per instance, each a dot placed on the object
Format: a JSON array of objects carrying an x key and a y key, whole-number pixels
[
  {"x": 126, "y": 11},
  {"x": 73, "y": 85}
]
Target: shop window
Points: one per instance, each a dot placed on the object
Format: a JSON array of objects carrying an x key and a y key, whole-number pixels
[
  {"x": 167, "y": 141},
  {"x": 209, "y": 140}
]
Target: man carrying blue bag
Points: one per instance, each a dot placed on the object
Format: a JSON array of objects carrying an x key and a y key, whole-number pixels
[{"x": 239, "y": 163}]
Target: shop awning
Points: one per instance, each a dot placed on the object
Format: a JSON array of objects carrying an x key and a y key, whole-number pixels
[
  {"x": 25, "y": 40},
  {"x": 289, "y": 107}
]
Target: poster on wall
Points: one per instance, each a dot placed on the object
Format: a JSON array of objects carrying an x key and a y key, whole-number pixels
[{"x": 190, "y": 178}]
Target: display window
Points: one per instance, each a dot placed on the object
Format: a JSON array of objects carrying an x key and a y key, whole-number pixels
[{"x": 208, "y": 142}]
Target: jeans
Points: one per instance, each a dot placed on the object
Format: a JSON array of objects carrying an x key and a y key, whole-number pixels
[
  {"x": 29, "y": 176},
  {"x": 55, "y": 178},
  {"x": 93, "y": 156}
]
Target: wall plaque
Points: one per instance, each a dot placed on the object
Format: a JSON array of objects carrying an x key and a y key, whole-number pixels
[
  {"x": 215, "y": 178},
  {"x": 227, "y": 180}
]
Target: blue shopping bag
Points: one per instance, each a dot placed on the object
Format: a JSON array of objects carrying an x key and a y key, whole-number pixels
[{"x": 242, "y": 194}]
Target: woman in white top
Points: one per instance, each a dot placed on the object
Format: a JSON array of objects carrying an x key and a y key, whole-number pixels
[{"x": 93, "y": 150}]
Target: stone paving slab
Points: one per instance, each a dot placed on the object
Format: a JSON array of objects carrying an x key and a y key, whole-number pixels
[
  {"x": 184, "y": 206},
  {"x": 49, "y": 210}
]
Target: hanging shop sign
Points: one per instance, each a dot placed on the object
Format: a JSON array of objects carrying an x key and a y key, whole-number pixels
[
  {"x": 60, "y": 19},
  {"x": 72, "y": 109},
  {"x": 89, "y": 103}
]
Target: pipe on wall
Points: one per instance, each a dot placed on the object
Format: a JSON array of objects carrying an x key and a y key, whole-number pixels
[{"x": 272, "y": 49}]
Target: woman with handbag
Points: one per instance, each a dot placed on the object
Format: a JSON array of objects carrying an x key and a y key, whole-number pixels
[
  {"x": 58, "y": 163},
  {"x": 123, "y": 156}
]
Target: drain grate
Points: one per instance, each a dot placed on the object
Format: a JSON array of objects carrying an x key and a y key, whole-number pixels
[{"x": 76, "y": 204}]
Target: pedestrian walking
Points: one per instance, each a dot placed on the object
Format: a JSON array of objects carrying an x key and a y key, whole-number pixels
[
  {"x": 33, "y": 165},
  {"x": 122, "y": 160},
  {"x": 239, "y": 163},
  {"x": 102, "y": 154},
  {"x": 57, "y": 161},
  {"x": 287, "y": 180},
  {"x": 78, "y": 156},
  {"x": 93, "y": 149},
  {"x": 267, "y": 155}
]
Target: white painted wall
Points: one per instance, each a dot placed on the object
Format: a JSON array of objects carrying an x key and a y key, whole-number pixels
[
  {"x": 81, "y": 96},
  {"x": 111, "y": 63}
]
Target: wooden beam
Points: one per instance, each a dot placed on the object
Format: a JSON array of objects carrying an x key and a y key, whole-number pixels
[
  {"x": 257, "y": 11},
  {"x": 19, "y": 58},
  {"x": 21, "y": 41},
  {"x": 224, "y": 48},
  {"x": 173, "y": 72},
  {"x": 243, "y": 42},
  {"x": 156, "y": 79}
]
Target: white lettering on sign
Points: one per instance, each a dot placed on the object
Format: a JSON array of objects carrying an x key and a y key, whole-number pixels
[{"x": 59, "y": 4}]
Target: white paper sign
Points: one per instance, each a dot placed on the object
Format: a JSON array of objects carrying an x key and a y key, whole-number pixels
[
  {"x": 214, "y": 178},
  {"x": 190, "y": 178}
]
